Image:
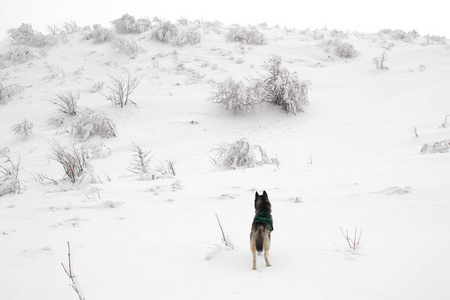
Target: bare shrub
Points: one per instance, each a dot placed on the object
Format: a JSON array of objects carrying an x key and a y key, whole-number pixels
[
  {"x": 166, "y": 169},
  {"x": 282, "y": 88},
  {"x": 9, "y": 174},
  {"x": 164, "y": 31},
  {"x": 379, "y": 61},
  {"x": 23, "y": 130},
  {"x": 93, "y": 123},
  {"x": 67, "y": 102},
  {"x": 54, "y": 29},
  {"x": 246, "y": 35},
  {"x": 140, "y": 163},
  {"x": 240, "y": 154},
  {"x": 235, "y": 96},
  {"x": 74, "y": 160},
  {"x": 352, "y": 243},
  {"x": 120, "y": 90},
  {"x": 71, "y": 27}
]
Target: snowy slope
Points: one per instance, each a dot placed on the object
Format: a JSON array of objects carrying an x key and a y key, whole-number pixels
[{"x": 351, "y": 160}]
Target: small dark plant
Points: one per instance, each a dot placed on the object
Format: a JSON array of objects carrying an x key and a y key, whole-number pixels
[
  {"x": 120, "y": 89},
  {"x": 67, "y": 102}
]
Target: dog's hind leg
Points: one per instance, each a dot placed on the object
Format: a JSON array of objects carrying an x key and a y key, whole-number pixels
[
  {"x": 253, "y": 248},
  {"x": 267, "y": 247}
]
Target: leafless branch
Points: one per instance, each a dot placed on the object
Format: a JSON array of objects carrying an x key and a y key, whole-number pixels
[
  {"x": 225, "y": 239},
  {"x": 71, "y": 275}
]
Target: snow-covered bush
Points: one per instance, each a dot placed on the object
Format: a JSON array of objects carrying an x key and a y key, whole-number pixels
[
  {"x": 214, "y": 26},
  {"x": 40, "y": 40},
  {"x": 23, "y": 130},
  {"x": 164, "y": 31},
  {"x": 9, "y": 174},
  {"x": 246, "y": 35},
  {"x": 282, "y": 88},
  {"x": 339, "y": 48},
  {"x": 120, "y": 90},
  {"x": 67, "y": 102},
  {"x": 187, "y": 37},
  {"x": 74, "y": 160},
  {"x": 21, "y": 35},
  {"x": 399, "y": 35},
  {"x": 26, "y": 35},
  {"x": 143, "y": 25},
  {"x": 96, "y": 87},
  {"x": 437, "y": 147},
  {"x": 94, "y": 123},
  {"x": 345, "y": 50},
  {"x": 7, "y": 92},
  {"x": 183, "y": 22},
  {"x": 278, "y": 86},
  {"x": 99, "y": 34},
  {"x": 235, "y": 96},
  {"x": 128, "y": 24},
  {"x": 130, "y": 48},
  {"x": 435, "y": 40},
  {"x": 240, "y": 154},
  {"x": 338, "y": 34},
  {"x": 16, "y": 55}
]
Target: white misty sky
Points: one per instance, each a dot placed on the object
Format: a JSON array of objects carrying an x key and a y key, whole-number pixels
[{"x": 425, "y": 16}]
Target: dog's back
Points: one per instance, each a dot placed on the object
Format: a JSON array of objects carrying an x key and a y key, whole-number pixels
[{"x": 262, "y": 226}]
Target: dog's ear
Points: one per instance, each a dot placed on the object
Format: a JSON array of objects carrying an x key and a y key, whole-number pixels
[
  {"x": 256, "y": 195},
  {"x": 265, "y": 195}
]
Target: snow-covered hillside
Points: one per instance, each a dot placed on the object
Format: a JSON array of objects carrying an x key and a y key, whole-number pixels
[{"x": 352, "y": 159}]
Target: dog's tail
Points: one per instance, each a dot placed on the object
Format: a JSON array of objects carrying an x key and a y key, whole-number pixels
[{"x": 259, "y": 238}]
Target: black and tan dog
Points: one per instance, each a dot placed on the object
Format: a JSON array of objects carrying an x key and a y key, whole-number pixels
[{"x": 262, "y": 226}]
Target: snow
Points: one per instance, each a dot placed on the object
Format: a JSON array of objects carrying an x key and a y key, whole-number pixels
[{"x": 351, "y": 160}]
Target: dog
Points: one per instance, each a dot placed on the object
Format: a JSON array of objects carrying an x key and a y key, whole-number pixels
[{"x": 262, "y": 226}]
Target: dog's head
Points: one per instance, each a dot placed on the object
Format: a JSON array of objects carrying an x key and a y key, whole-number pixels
[{"x": 262, "y": 203}]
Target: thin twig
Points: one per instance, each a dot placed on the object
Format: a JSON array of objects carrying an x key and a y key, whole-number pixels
[
  {"x": 355, "y": 242},
  {"x": 71, "y": 275},
  {"x": 223, "y": 234}
]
